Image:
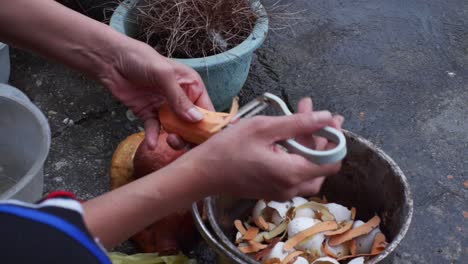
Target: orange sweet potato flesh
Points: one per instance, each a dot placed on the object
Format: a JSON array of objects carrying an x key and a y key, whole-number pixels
[
  {"x": 199, "y": 132},
  {"x": 121, "y": 171}
]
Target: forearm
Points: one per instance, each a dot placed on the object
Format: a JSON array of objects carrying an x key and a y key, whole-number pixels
[
  {"x": 56, "y": 32},
  {"x": 117, "y": 215}
]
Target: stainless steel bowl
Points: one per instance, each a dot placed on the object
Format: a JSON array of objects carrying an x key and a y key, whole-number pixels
[{"x": 369, "y": 180}]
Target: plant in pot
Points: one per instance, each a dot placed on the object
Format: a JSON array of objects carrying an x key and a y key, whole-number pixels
[{"x": 215, "y": 37}]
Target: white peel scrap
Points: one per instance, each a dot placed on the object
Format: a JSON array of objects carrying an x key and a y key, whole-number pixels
[
  {"x": 364, "y": 242},
  {"x": 281, "y": 208},
  {"x": 258, "y": 209},
  {"x": 298, "y": 201},
  {"x": 341, "y": 213},
  {"x": 277, "y": 252},
  {"x": 301, "y": 260},
  {"x": 313, "y": 243}
]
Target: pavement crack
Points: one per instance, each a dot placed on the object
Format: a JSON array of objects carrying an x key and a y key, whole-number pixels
[
  {"x": 87, "y": 116},
  {"x": 286, "y": 99},
  {"x": 270, "y": 71}
]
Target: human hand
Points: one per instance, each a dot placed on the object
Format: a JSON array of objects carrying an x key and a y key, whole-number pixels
[
  {"x": 244, "y": 160},
  {"x": 142, "y": 79}
]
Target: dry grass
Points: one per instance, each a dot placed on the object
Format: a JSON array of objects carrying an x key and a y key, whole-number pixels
[{"x": 195, "y": 28}]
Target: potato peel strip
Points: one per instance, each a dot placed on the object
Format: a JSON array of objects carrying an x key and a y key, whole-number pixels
[
  {"x": 353, "y": 233},
  {"x": 315, "y": 229}
]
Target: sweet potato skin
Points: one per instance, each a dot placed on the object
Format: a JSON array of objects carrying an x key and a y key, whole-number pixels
[{"x": 168, "y": 235}]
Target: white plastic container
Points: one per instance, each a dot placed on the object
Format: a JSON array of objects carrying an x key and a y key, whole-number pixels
[
  {"x": 24, "y": 146},
  {"x": 4, "y": 63}
]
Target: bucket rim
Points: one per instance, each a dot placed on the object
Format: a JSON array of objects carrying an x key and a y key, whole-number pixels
[{"x": 45, "y": 144}]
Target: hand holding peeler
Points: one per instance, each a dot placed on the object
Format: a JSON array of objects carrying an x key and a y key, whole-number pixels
[{"x": 318, "y": 157}]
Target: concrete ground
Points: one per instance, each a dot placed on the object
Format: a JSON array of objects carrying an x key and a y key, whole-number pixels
[{"x": 397, "y": 70}]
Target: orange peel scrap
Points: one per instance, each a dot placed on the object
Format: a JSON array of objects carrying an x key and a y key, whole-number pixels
[
  {"x": 272, "y": 261},
  {"x": 353, "y": 213},
  {"x": 378, "y": 246},
  {"x": 380, "y": 243},
  {"x": 327, "y": 251},
  {"x": 291, "y": 257},
  {"x": 315, "y": 229},
  {"x": 267, "y": 250},
  {"x": 347, "y": 226},
  {"x": 353, "y": 247},
  {"x": 240, "y": 227},
  {"x": 251, "y": 233},
  {"x": 353, "y": 233},
  {"x": 261, "y": 223}
]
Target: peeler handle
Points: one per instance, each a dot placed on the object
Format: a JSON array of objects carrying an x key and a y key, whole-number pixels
[
  {"x": 320, "y": 156},
  {"x": 315, "y": 156}
]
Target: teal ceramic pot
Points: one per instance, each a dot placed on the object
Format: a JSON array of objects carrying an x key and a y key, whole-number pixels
[{"x": 224, "y": 74}]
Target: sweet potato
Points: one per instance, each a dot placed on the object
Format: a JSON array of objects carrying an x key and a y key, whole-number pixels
[
  {"x": 147, "y": 160},
  {"x": 196, "y": 133}
]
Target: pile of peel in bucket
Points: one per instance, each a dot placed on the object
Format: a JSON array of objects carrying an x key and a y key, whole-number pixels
[{"x": 311, "y": 231}]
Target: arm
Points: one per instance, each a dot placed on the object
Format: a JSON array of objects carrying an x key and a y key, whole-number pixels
[
  {"x": 54, "y": 31},
  {"x": 240, "y": 161},
  {"x": 119, "y": 214},
  {"x": 133, "y": 71}
]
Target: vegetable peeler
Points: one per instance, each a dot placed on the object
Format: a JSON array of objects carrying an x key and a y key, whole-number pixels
[{"x": 318, "y": 157}]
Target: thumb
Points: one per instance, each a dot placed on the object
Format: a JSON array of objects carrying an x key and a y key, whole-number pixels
[
  {"x": 286, "y": 127},
  {"x": 181, "y": 104}
]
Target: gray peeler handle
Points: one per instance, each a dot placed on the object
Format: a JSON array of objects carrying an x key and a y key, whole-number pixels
[{"x": 315, "y": 156}]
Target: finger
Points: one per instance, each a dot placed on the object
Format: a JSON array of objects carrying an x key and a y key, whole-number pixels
[
  {"x": 181, "y": 104},
  {"x": 152, "y": 132},
  {"x": 291, "y": 126},
  {"x": 338, "y": 121},
  {"x": 305, "y": 105},
  {"x": 197, "y": 93},
  {"x": 175, "y": 142},
  {"x": 322, "y": 143},
  {"x": 204, "y": 101}
]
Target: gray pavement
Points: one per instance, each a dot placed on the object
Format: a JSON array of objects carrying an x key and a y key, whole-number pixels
[{"x": 397, "y": 70}]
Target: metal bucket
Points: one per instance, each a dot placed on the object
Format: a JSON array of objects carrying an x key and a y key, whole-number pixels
[
  {"x": 4, "y": 63},
  {"x": 24, "y": 146},
  {"x": 369, "y": 180}
]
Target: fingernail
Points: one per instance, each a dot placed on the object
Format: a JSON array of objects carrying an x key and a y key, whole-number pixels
[
  {"x": 323, "y": 116},
  {"x": 194, "y": 114}
]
